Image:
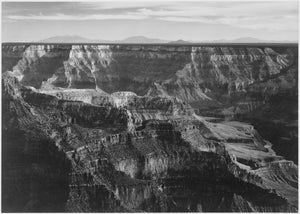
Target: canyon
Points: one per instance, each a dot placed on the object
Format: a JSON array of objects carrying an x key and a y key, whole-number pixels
[{"x": 149, "y": 128}]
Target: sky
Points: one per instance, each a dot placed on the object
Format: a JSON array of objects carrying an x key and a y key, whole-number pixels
[{"x": 170, "y": 20}]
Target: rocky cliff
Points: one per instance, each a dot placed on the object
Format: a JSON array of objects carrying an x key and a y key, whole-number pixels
[
  {"x": 231, "y": 82},
  {"x": 190, "y": 73},
  {"x": 118, "y": 128}
]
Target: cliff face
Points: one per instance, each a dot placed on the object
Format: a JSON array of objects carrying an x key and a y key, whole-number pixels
[
  {"x": 11, "y": 54},
  {"x": 218, "y": 81},
  {"x": 189, "y": 73},
  {"x": 35, "y": 173},
  {"x": 114, "y": 131}
]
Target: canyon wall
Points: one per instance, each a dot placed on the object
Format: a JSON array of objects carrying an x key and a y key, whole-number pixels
[
  {"x": 187, "y": 72},
  {"x": 244, "y": 82},
  {"x": 126, "y": 128}
]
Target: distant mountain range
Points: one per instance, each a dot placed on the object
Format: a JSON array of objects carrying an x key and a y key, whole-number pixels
[
  {"x": 144, "y": 40},
  {"x": 247, "y": 40},
  {"x": 180, "y": 41},
  {"x": 79, "y": 39},
  {"x": 141, "y": 39}
]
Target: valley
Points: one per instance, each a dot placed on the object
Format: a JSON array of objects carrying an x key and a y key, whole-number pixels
[{"x": 150, "y": 128}]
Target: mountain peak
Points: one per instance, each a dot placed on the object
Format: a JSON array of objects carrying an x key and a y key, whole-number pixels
[
  {"x": 142, "y": 39},
  {"x": 179, "y": 41},
  {"x": 66, "y": 39}
]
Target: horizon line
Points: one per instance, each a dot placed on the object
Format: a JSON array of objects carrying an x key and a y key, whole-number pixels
[{"x": 166, "y": 43}]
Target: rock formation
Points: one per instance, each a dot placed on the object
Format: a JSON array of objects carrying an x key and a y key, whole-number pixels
[{"x": 123, "y": 128}]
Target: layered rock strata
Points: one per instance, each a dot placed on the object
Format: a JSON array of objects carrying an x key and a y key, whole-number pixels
[{"x": 102, "y": 132}]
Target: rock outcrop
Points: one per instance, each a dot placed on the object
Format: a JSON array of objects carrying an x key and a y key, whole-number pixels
[
  {"x": 118, "y": 129},
  {"x": 189, "y": 73}
]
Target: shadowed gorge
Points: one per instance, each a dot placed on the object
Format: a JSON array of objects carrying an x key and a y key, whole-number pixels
[{"x": 155, "y": 128}]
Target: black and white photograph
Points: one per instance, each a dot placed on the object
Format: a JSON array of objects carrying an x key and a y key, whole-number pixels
[{"x": 149, "y": 106}]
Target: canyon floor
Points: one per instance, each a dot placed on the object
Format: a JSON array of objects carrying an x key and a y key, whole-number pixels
[{"x": 149, "y": 128}]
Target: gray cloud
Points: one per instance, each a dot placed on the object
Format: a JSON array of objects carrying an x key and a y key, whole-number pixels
[{"x": 271, "y": 15}]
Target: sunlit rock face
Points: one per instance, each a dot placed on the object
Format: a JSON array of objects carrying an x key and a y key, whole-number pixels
[
  {"x": 134, "y": 128},
  {"x": 189, "y": 73},
  {"x": 39, "y": 63},
  {"x": 11, "y": 54}
]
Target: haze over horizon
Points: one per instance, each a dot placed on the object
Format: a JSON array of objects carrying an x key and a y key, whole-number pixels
[{"x": 189, "y": 21}]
